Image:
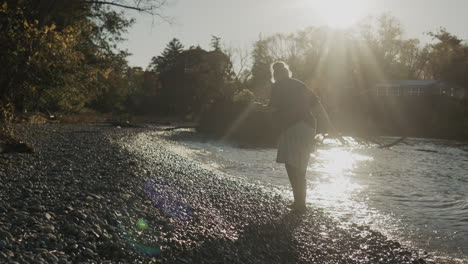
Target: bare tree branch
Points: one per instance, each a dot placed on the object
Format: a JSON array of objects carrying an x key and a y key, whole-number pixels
[
  {"x": 151, "y": 7},
  {"x": 240, "y": 59}
]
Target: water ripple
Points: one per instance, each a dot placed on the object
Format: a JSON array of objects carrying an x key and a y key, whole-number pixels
[{"x": 414, "y": 193}]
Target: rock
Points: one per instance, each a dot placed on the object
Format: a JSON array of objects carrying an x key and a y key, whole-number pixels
[
  {"x": 106, "y": 237},
  {"x": 82, "y": 235},
  {"x": 81, "y": 215},
  {"x": 63, "y": 261},
  {"x": 37, "y": 208},
  {"x": 27, "y": 192},
  {"x": 182, "y": 260},
  {"x": 229, "y": 221},
  {"x": 88, "y": 253},
  {"x": 51, "y": 258},
  {"x": 94, "y": 234},
  {"x": 40, "y": 250},
  {"x": 95, "y": 196},
  {"x": 3, "y": 244},
  {"x": 48, "y": 216},
  {"x": 8, "y": 253},
  {"x": 4, "y": 235},
  {"x": 51, "y": 237},
  {"x": 419, "y": 261},
  {"x": 39, "y": 260},
  {"x": 38, "y": 191},
  {"x": 48, "y": 229},
  {"x": 71, "y": 247}
]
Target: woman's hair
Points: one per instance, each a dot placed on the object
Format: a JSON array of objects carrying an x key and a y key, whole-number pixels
[{"x": 279, "y": 70}]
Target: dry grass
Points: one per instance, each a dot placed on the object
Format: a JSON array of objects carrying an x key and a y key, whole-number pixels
[
  {"x": 83, "y": 118},
  {"x": 36, "y": 118}
]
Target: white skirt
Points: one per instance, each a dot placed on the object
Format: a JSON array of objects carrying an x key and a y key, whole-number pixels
[{"x": 295, "y": 145}]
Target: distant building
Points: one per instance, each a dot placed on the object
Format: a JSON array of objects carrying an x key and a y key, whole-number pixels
[{"x": 426, "y": 88}]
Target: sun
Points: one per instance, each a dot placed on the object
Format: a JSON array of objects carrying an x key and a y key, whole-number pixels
[{"x": 338, "y": 13}]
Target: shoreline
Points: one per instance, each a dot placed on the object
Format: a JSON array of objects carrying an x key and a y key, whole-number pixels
[
  {"x": 105, "y": 195},
  {"x": 217, "y": 155}
]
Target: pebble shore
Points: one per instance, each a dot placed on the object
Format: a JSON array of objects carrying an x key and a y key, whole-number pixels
[{"x": 101, "y": 194}]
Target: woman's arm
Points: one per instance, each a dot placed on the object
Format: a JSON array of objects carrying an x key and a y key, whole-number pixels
[
  {"x": 334, "y": 132},
  {"x": 273, "y": 102}
]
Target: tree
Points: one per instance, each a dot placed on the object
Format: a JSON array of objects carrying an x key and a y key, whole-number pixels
[
  {"x": 240, "y": 68},
  {"x": 206, "y": 78},
  {"x": 62, "y": 12},
  {"x": 190, "y": 79},
  {"x": 60, "y": 55},
  {"x": 43, "y": 62},
  {"x": 215, "y": 43},
  {"x": 167, "y": 68},
  {"x": 448, "y": 58},
  {"x": 167, "y": 61},
  {"x": 261, "y": 75}
]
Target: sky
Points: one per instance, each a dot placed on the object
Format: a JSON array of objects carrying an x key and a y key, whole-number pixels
[{"x": 240, "y": 22}]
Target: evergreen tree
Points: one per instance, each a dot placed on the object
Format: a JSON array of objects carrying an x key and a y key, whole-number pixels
[
  {"x": 261, "y": 69},
  {"x": 261, "y": 62},
  {"x": 168, "y": 68},
  {"x": 216, "y": 43},
  {"x": 167, "y": 61}
]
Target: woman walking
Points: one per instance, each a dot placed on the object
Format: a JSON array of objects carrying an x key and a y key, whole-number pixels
[{"x": 292, "y": 101}]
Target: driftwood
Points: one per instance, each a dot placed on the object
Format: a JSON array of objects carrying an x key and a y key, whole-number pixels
[
  {"x": 17, "y": 147},
  {"x": 179, "y": 127},
  {"x": 119, "y": 123},
  {"x": 364, "y": 141},
  {"x": 321, "y": 137},
  {"x": 396, "y": 142},
  {"x": 368, "y": 141},
  {"x": 9, "y": 144},
  {"x": 372, "y": 141},
  {"x": 427, "y": 150}
]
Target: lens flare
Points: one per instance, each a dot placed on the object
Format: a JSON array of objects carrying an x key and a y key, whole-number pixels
[
  {"x": 141, "y": 224},
  {"x": 139, "y": 232},
  {"x": 140, "y": 236},
  {"x": 168, "y": 200}
]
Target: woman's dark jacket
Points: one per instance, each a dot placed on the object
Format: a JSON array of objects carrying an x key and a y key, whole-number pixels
[{"x": 292, "y": 101}]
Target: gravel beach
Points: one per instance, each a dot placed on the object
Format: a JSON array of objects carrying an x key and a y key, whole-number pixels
[{"x": 101, "y": 194}]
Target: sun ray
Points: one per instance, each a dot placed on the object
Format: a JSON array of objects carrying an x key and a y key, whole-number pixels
[
  {"x": 235, "y": 125},
  {"x": 322, "y": 59}
]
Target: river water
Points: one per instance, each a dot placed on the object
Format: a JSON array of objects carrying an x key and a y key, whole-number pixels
[{"x": 416, "y": 193}]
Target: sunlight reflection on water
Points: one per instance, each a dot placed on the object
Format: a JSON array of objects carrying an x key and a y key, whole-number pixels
[
  {"x": 414, "y": 193},
  {"x": 331, "y": 184},
  {"x": 331, "y": 171}
]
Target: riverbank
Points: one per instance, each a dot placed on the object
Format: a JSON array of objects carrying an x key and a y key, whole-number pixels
[{"x": 103, "y": 194}]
